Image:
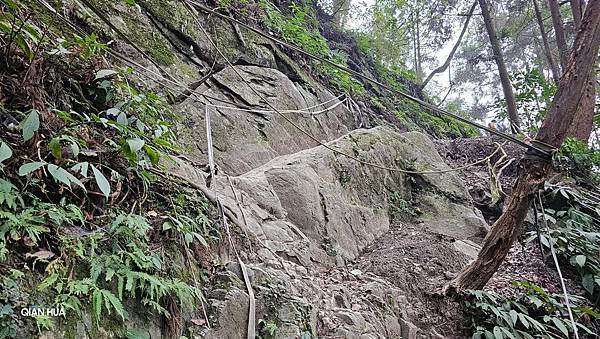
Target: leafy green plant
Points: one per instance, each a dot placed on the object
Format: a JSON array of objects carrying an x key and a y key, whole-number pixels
[
  {"x": 534, "y": 314},
  {"x": 575, "y": 236},
  {"x": 533, "y": 95},
  {"x": 106, "y": 278},
  {"x": 267, "y": 328},
  {"x": 13, "y": 29},
  {"x": 11, "y": 282},
  {"x": 400, "y": 209},
  {"x": 579, "y": 160},
  {"x": 89, "y": 45},
  {"x": 30, "y": 124}
]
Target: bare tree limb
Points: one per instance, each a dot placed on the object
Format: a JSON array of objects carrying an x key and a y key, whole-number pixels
[
  {"x": 559, "y": 31},
  {"x": 443, "y": 67}
]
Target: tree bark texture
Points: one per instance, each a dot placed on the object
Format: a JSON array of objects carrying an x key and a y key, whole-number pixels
[
  {"x": 576, "y": 9},
  {"x": 559, "y": 32}
]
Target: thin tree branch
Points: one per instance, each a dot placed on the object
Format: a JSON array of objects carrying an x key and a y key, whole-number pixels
[{"x": 443, "y": 67}]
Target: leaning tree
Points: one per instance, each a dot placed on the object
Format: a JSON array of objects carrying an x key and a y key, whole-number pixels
[{"x": 565, "y": 118}]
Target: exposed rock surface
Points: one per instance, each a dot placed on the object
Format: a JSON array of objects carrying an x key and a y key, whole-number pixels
[
  {"x": 324, "y": 262},
  {"x": 315, "y": 212},
  {"x": 245, "y": 140}
]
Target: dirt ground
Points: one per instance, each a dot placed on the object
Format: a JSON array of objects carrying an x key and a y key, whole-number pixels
[{"x": 419, "y": 263}]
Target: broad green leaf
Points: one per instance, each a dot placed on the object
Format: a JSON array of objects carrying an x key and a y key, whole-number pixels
[
  {"x": 561, "y": 326},
  {"x": 135, "y": 144},
  {"x": 167, "y": 225},
  {"x": 55, "y": 149},
  {"x": 74, "y": 145},
  {"x": 30, "y": 167},
  {"x": 508, "y": 333},
  {"x": 30, "y": 125},
  {"x": 152, "y": 154},
  {"x": 101, "y": 181},
  {"x": 24, "y": 46},
  {"x": 524, "y": 320},
  {"x": 514, "y": 316},
  {"x": 588, "y": 283},
  {"x": 62, "y": 175},
  {"x": 5, "y": 152},
  {"x": 201, "y": 239},
  {"x": 122, "y": 119},
  {"x": 81, "y": 167},
  {"x": 103, "y": 73},
  {"x": 114, "y": 111},
  {"x": 498, "y": 333},
  {"x": 580, "y": 259}
]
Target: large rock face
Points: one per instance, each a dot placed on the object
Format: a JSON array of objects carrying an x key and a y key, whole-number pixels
[
  {"x": 314, "y": 211},
  {"x": 244, "y": 140},
  {"x": 336, "y": 206},
  {"x": 310, "y": 211}
]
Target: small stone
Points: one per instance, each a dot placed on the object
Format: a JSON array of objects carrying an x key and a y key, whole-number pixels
[{"x": 356, "y": 272}]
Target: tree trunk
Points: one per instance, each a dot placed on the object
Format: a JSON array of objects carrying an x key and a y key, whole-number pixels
[
  {"x": 444, "y": 67},
  {"x": 418, "y": 40},
  {"x": 502, "y": 71},
  {"x": 576, "y": 9},
  {"x": 561, "y": 119},
  {"x": 583, "y": 123},
  {"x": 559, "y": 31},
  {"x": 547, "y": 51}
]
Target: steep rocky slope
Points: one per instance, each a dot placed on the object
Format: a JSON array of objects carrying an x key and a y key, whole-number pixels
[{"x": 315, "y": 229}]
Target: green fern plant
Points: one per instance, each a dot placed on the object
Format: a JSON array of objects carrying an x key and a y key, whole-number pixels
[{"x": 128, "y": 270}]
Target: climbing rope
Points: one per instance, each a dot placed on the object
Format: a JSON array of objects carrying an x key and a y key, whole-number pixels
[
  {"x": 302, "y": 111},
  {"x": 273, "y": 109},
  {"x": 422, "y": 103},
  {"x": 562, "y": 280},
  {"x": 249, "y": 289},
  {"x": 170, "y": 79},
  {"x": 296, "y": 126}
]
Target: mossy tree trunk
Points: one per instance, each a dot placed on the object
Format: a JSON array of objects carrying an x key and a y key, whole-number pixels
[{"x": 565, "y": 115}]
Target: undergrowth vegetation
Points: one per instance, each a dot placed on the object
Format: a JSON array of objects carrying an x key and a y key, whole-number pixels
[
  {"x": 84, "y": 226},
  {"x": 300, "y": 27},
  {"x": 534, "y": 314},
  {"x": 571, "y": 228}
]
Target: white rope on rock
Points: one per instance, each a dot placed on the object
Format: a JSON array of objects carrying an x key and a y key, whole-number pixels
[
  {"x": 221, "y": 208},
  {"x": 303, "y": 111}
]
